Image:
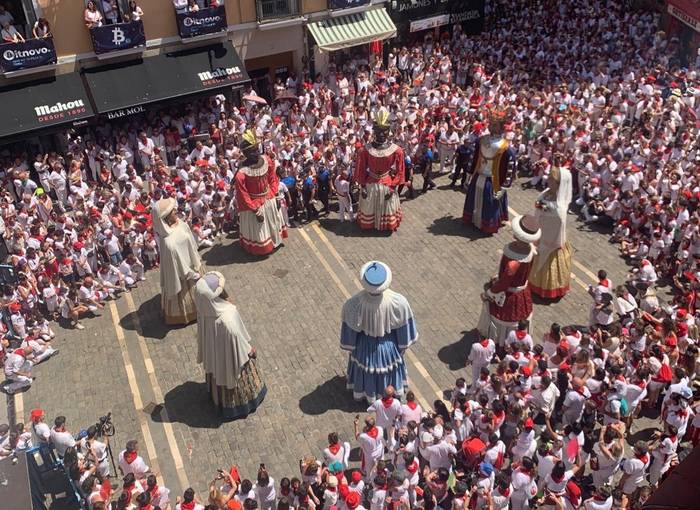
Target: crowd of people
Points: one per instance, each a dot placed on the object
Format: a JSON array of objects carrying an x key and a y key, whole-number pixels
[{"x": 594, "y": 86}]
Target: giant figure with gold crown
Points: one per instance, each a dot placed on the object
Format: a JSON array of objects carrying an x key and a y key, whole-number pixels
[
  {"x": 493, "y": 167},
  {"x": 507, "y": 299},
  {"x": 262, "y": 228},
  {"x": 379, "y": 170},
  {"x": 180, "y": 263}
]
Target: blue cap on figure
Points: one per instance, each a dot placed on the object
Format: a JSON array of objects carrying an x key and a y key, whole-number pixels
[{"x": 375, "y": 276}]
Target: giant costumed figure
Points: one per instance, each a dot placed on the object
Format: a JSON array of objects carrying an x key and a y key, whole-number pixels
[
  {"x": 261, "y": 224},
  {"x": 180, "y": 263},
  {"x": 379, "y": 170},
  {"x": 550, "y": 276},
  {"x": 507, "y": 299},
  {"x": 493, "y": 167},
  {"x": 378, "y": 326},
  {"x": 223, "y": 347}
]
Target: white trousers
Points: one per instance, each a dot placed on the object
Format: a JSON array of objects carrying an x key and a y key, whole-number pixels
[{"x": 345, "y": 206}]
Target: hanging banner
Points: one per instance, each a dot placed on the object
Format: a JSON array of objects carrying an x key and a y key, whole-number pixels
[
  {"x": 468, "y": 13},
  {"x": 202, "y": 22},
  {"x": 346, "y": 4},
  {"x": 28, "y": 54},
  {"x": 429, "y": 23},
  {"x": 404, "y": 11},
  {"x": 120, "y": 36}
]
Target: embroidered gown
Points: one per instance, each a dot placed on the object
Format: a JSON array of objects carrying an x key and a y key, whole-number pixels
[
  {"x": 376, "y": 330},
  {"x": 380, "y": 171},
  {"x": 258, "y": 187},
  {"x": 492, "y": 171}
]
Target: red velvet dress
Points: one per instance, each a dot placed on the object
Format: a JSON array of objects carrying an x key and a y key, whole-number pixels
[{"x": 512, "y": 279}]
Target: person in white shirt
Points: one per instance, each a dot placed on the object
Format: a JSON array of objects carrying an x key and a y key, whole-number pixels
[
  {"x": 574, "y": 401},
  {"x": 60, "y": 437},
  {"x": 634, "y": 470},
  {"x": 96, "y": 451},
  {"x": 131, "y": 462},
  {"x": 336, "y": 451},
  {"x": 189, "y": 502},
  {"x": 265, "y": 490},
  {"x": 342, "y": 189},
  {"x": 146, "y": 150},
  {"x": 480, "y": 356},
  {"x": 448, "y": 142},
  {"x": 386, "y": 411},
  {"x": 42, "y": 432},
  {"x": 132, "y": 270},
  {"x": 18, "y": 370},
  {"x": 371, "y": 445},
  {"x": 601, "y": 500}
]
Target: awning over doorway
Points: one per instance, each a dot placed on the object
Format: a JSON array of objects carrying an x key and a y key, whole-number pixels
[
  {"x": 121, "y": 89},
  {"x": 688, "y": 11},
  {"x": 41, "y": 104},
  {"x": 353, "y": 29}
]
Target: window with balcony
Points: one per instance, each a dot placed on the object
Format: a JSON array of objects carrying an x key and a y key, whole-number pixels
[{"x": 271, "y": 9}]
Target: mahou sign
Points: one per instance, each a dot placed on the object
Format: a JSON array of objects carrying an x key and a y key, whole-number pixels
[
  {"x": 26, "y": 55},
  {"x": 202, "y": 22}
]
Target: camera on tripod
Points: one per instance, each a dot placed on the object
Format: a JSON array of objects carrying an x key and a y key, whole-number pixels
[{"x": 105, "y": 427}]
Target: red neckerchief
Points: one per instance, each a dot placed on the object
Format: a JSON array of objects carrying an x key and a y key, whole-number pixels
[
  {"x": 412, "y": 405},
  {"x": 558, "y": 479},
  {"x": 331, "y": 489},
  {"x": 130, "y": 457},
  {"x": 580, "y": 390},
  {"x": 598, "y": 497},
  {"x": 147, "y": 506},
  {"x": 644, "y": 458},
  {"x": 605, "y": 282},
  {"x": 485, "y": 343},
  {"x": 412, "y": 467},
  {"x": 334, "y": 448},
  {"x": 387, "y": 401},
  {"x": 187, "y": 506},
  {"x": 520, "y": 334},
  {"x": 505, "y": 493},
  {"x": 20, "y": 352},
  {"x": 681, "y": 413},
  {"x": 129, "y": 487},
  {"x": 154, "y": 491},
  {"x": 373, "y": 432},
  {"x": 516, "y": 354}
]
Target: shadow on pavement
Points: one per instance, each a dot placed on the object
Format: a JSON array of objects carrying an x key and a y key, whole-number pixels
[
  {"x": 350, "y": 229},
  {"x": 331, "y": 395},
  {"x": 455, "y": 355},
  {"x": 453, "y": 226},
  {"x": 189, "y": 403},
  {"x": 224, "y": 254},
  {"x": 150, "y": 318}
]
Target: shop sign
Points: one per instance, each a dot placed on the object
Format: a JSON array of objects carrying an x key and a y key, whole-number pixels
[
  {"x": 120, "y": 36},
  {"x": 469, "y": 13},
  {"x": 222, "y": 74},
  {"x": 346, "y": 4},
  {"x": 678, "y": 13},
  {"x": 429, "y": 23},
  {"x": 412, "y": 10},
  {"x": 28, "y": 54},
  {"x": 205, "y": 21},
  {"x": 125, "y": 112},
  {"x": 60, "y": 110}
]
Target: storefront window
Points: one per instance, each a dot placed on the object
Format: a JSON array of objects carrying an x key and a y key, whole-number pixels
[{"x": 270, "y": 9}]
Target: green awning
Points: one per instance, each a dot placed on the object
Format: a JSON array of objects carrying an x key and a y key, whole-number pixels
[{"x": 353, "y": 29}]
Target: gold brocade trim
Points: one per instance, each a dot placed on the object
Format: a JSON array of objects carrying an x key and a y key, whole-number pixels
[
  {"x": 256, "y": 172},
  {"x": 382, "y": 153}
]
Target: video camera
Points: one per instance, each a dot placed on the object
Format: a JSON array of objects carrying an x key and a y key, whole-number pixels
[{"x": 105, "y": 427}]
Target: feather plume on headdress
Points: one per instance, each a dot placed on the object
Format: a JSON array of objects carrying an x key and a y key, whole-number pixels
[
  {"x": 249, "y": 139},
  {"x": 381, "y": 119}
]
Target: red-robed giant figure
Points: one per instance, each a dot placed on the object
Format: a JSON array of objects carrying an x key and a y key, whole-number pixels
[
  {"x": 260, "y": 219},
  {"x": 379, "y": 170},
  {"x": 507, "y": 299}
]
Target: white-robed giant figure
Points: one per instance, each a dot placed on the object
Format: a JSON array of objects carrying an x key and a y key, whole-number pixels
[
  {"x": 180, "y": 263},
  {"x": 223, "y": 347},
  {"x": 550, "y": 276},
  {"x": 378, "y": 326}
]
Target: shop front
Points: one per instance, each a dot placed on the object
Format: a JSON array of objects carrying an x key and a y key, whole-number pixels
[
  {"x": 357, "y": 34},
  {"x": 684, "y": 23},
  {"x": 416, "y": 19},
  {"x": 40, "y": 107},
  {"x": 128, "y": 88},
  {"x": 265, "y": 71}
]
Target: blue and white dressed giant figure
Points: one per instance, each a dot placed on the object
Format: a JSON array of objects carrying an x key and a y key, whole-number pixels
[{"x": 378, "y": 326}]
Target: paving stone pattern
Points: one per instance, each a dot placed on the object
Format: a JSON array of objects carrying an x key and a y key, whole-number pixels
[{"x": 291, "y": 306}]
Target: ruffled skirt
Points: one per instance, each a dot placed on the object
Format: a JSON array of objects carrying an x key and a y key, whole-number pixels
[
  {"x": 481, "y": 208},
  {"x": 374, "y": 364},
  {"x": 261, "y": 237},
  {"x": 553, "y": 279},
  {"x": 378, "y": 212},
  {"x": 244, "y": 398},
  {"x": 180, "y": 309}
]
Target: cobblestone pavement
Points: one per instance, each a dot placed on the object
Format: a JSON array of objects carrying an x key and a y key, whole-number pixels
[{"x": 128, "y": 362}]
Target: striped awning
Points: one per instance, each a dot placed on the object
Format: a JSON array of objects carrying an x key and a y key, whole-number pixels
[{"x": 353, "y": 29}]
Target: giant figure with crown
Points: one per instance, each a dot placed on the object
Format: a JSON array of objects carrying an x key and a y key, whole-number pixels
[
  {"x": 262, "y": 228},
  {"x": 379, "y": 170},
  {"x": 493, "y": 168}
]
